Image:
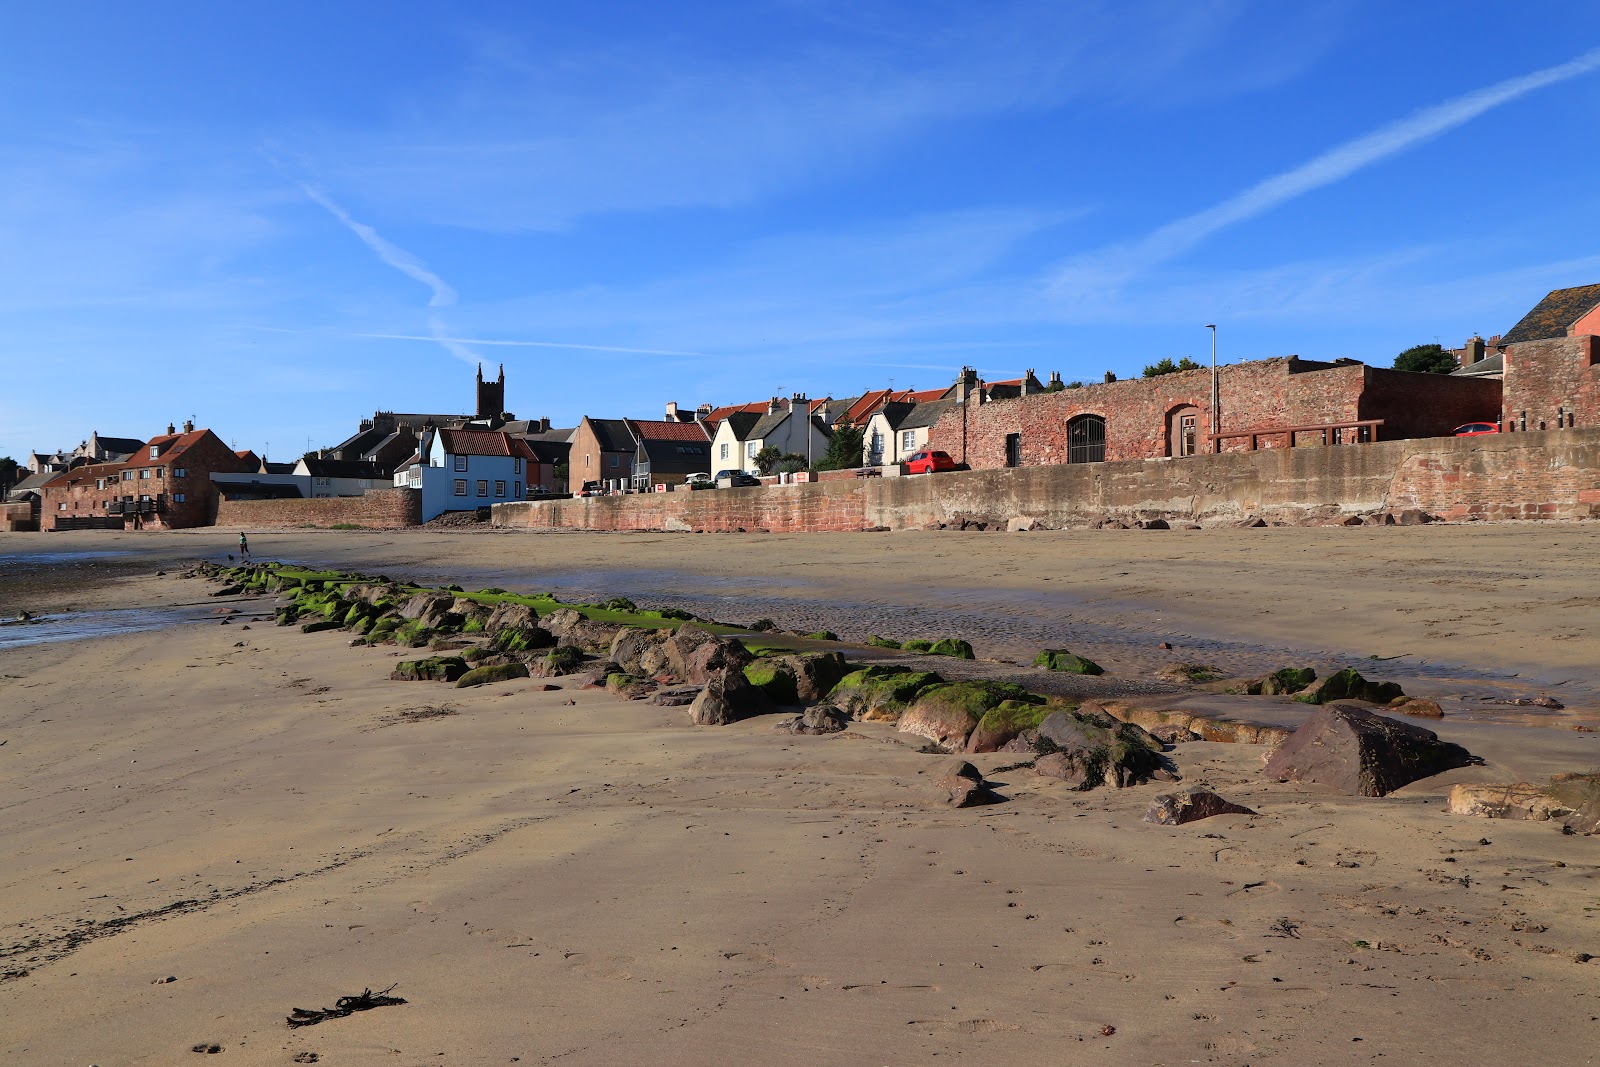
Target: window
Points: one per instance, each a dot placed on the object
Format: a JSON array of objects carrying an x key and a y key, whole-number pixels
[
  {"x": 461, "y": 463},
  {"x": 908, "y": 440},
  {"x": 723, "y": 452},
  {"x": 1013, "y": 450},
  {"x": 499, "y": 488},
  {"x": 155, "y": 450},
  {"x": 750, "y": 450},
  {"x": 127, "y": 476},
  {"x": 61, "y": 506},
  {"x": 483, "y": 487},
  {"x": 179, "y": 472},
  {"x": 99, "y": 483},
  {"x": 586, "y": 458},
  {"x": 616, "y": 460},
  {"x": 144, "y": 473},
  {"x": 461, "y": 487},
  {"x": 161, "y": 472},
  {"x": 1086, "y": 439},
  {"x": 516, "y": 492},
  {"x": 177, "y": 498},
  {"x": 516, "y": 466}
]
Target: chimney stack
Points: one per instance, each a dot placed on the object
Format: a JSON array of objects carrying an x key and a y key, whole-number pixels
[
  {"x": 171, "y": 429},
  {"x": 188, "y": 426}
]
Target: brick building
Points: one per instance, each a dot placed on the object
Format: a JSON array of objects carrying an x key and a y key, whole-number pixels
[
  {"x": 165, "y": 484},
  {"x": 1552, "y": 362},
  {"x": 1272, "y": 403}
]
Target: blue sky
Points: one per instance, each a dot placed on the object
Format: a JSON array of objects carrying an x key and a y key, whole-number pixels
[{"x": 278, "y": 218}]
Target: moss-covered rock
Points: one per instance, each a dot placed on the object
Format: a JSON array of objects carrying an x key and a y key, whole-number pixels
[
  {"x": 320, "y": 624},
  {"x": 1348, "y": 684},
  {"x": 1089, "y": 749},
  {"x": 823, "y": 635},
  {"x": 953, "y": 647},
  {"x": 946, "y": 714},
  {"x": 881, "y": 693},
  {"x": 882, "y": 642},
  {"x": 515, "y": 639},
  {"x": 917, "y": 644},
  {"x": 560, "y": 661},
  {"x": 1005, "y": 721},
  {"x": 413, "y": 633},
  {"x": 1059, "y": 659},
  {"x": 775, "y": 679},
  {"x": 432, "y": 669},
  {"x": 500, "y": 672},
  {"x": 1286, "y": 680}
]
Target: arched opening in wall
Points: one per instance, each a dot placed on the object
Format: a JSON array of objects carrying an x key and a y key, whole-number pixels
[
  {"x": 1183, "y": 431},
  {"x": 1086, "y": 439}
]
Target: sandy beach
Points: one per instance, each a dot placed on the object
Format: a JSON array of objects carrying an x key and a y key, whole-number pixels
[{"x": 207, "y": 826}]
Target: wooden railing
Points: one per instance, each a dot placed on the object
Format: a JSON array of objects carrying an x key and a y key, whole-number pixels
[{"x": 1362, "y": 431}]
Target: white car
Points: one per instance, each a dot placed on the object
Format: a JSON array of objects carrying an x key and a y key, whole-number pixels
[{"x": 700, "y": 481}]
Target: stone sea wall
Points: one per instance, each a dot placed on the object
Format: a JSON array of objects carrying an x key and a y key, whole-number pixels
[
  {"x": 377, "y": 508},
  {"x": 1537, "y": 475}
]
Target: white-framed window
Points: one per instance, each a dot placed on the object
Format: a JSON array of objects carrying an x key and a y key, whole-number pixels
[
  {"x": 499, "y": 488},
  {"x": 155, "y": 451},
  {"x": 750, "y": 450},
  {"x": 516, "y": 466},
  {"x": 61, "y": 506},
  {"x": 144, "y": 473},
  {"x": 179, "y": 472},
  {"x": 723, "y": 451},
  {"x": 127, "y": 476},
  {"x": 99, "y": 483},
  {"x": 908, "y": 439},
  {"x": 177, "y": 498},
  {"x": 461, "y": 463},
  {"x": 461, "y": 487},
  {"x": 483, "y": 487}
]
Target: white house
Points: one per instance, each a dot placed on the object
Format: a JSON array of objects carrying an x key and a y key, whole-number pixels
[
  {"x": 741, "y": 436},
  {"x": 462, "y": 470},
  {"x": 898, "y": 430}
]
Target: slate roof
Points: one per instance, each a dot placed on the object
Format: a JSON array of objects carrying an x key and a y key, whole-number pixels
[
  {"x": 613, "y": 435},
  {"x": 118, "y": 446},
  {"x": 33, "y": 482},
  {"x": 1553, "y": 315},
  {"x": 743, "y": 422},
  {"x": 343, "y": 468},
  {"x": 1487, "y": 366},
  {"x": 895, "y": 412},
  {"x": 925, "y": 414}
]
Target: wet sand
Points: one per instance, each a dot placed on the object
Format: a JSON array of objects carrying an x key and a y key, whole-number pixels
[{"x": 276, "y": 824}]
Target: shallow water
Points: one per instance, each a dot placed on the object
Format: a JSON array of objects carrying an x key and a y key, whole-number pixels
[{"x": 80, "y": 625}]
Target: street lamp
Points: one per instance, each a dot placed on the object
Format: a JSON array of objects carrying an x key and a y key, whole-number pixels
[{"x": 1216, "y": 421}]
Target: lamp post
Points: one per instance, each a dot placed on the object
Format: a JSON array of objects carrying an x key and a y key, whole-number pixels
[{"x": 1216, "y": 421}]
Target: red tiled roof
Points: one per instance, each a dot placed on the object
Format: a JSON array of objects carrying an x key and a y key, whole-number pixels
[
  {"x": 484, "y": 443},
  {"x": 168, "y": 446},
  {"x": 869, "y": 402},
  {"x": 669, "y": 431}
]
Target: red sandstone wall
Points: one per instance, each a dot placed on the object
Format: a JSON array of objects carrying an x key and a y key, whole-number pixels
[
  {"x": 1563, "y": 372},
  {"x": 1427, "y": 405},
  {"x": 375, "y": 508},
  {"x": 1546, "y": 475}
]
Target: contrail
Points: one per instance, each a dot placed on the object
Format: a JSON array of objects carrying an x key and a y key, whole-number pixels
[
  {"x": 532, "y": 344},
  {"x": 406, "y": 263},
  {"x": 1117, "y": 264}
]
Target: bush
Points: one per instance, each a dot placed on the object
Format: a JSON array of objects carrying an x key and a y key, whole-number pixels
[{"x": 1166, "y": 366}]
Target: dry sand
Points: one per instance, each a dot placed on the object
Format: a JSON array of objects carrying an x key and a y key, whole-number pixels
[{"x": 276, "y": 825}]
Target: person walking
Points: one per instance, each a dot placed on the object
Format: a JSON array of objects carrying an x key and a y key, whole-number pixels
[{"x": 244, "y": 547}]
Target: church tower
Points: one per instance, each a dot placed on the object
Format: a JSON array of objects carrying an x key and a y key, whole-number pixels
[{"x": 491, "y": 395}]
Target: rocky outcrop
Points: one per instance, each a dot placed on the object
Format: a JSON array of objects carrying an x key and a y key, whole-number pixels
[
  {"x": 558, "y": 662},
  {"x": 695, "y": 654},
  {"x": 510, "y": 616},
  {"x": 1286, "y": 680},
  {"x": 500, "y": 672},
  {"x": 946, "y": 714},
  {"x": 799, "y": 679},
  {"x": 881, "y": 694},
  {"x": 1356, "y": 752},
  {"x": 963, "y": 785},
  {"x": 817, "y": 719},
  {"x": 1089, "y": 749},
  {"x": 1573, "y": 800},
  {"x": 1004, "y": 722},
  {"x": 1349, "y": 685},
  {"x": 1228, "y": 731},
  {"x": 518, "y": 639},
  {"x": 1059, "y": 659},
  {"x": 640, "y": 651},
  {"x": 432, "y": 669},
  {"x": 727, "y": 697},
  {"x": 1417, "y": 708},
  {"x": 1191, "y": 805}
]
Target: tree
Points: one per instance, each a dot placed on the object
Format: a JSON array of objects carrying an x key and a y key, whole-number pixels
[
  {"x": 1425, "y": 359},
  {"x": 1166, "y": 366},
  {"x": 844, "y": 450},
  {"x": 8, "y": 475},
  {"x": 790, "y": 463},
  {"x": 1055, "y": 386},
  {"x": 766, "y": 460}
]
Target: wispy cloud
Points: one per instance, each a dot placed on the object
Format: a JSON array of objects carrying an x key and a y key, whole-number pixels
[
  {"x": 1091, "y": 276},
  {"x": 443, "y": 294},
  {"x": 533, "y": 344}
]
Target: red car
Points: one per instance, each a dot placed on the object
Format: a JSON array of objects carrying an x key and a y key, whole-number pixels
[
  {"x": 926, "y": 462},
  {"x": 1473, "y": 429}
]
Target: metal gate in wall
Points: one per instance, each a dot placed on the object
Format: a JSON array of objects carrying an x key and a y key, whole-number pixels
[{"x": 1086, "y": 439}]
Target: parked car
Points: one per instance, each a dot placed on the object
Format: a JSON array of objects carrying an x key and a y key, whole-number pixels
[
  {"x": 592, "y": 489},
  {"x": 700, "y": 481},
  {"x": 927, "y": 461},
  {"x": 736, "y": 478},
  {"x": 1473, "y": 429}
]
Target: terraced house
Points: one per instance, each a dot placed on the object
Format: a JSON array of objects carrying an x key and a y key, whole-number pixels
[{"x": 463, "y": 470}]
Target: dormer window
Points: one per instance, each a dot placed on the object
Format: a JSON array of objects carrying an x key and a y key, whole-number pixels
[{"x": 155, "y": 451}]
